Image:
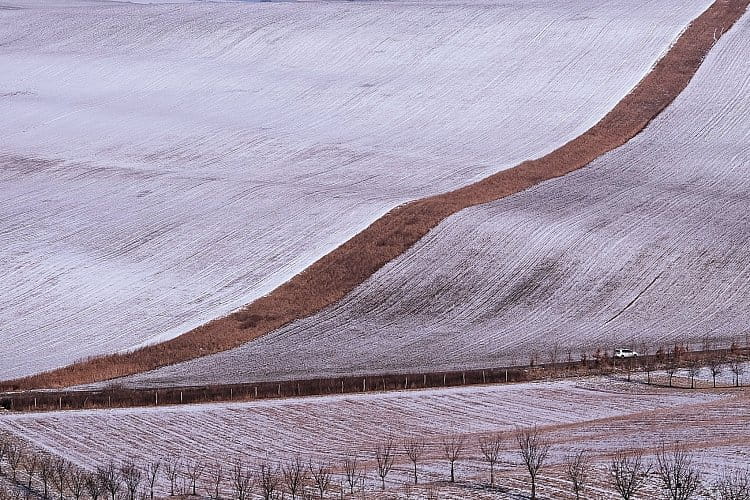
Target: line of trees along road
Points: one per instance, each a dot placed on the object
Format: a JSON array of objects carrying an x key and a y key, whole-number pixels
[{"x": 671, "y": 361}]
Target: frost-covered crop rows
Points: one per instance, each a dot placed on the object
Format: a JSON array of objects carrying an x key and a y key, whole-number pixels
[
  {"x": 161, "y": 165},
  {"x": 647, "y": 244},
  {"x": 599, "y": 415}
]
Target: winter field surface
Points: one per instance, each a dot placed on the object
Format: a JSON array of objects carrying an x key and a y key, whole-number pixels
[
  {"x": 645, "y": 247},
  {"x": 162, "y": 165},
  {"x": 600, "y": 415}
]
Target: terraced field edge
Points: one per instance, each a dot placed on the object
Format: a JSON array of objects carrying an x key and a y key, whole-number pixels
[{"x": 338, "y": 273}]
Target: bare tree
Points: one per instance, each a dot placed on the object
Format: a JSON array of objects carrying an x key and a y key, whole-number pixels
[
  {"x": 46, "y": 471},
  {"x": 110, "y": 479},
  {"x": 172, "y": 470},
  {"x": 268, "y": 478},
  {"x": 671, "y": 368},
  {"x": 384, "y": 455},
  {"x": 241, "y": 481},
  {"x": 321, "y": 474},
  {"x": 734, "y": 485},
  {"x": 216, "y": 478},
  {"x": 131, "y": 476},
  {"x": 453, "y": 447},
  {"x": 737, "y": 368},
  {"x": 194, "y": 470},
  {"x": 77, "y": 482},
  {"x": 294, "y": 473},
  {"x": 491, "y": 446},
  {"x": 152, "y": 471},
  {"x": 30, "y": 463},
  {"x": 649, "y": 365},
  {"x": 679, "y": 476},
  {"x": 715, "y": 366},
  {"x": 629, "y": 473},
  {"x": 351, "y": 471},
  {"x": 94, "y": 486},
  {"x": 60, "y": 476},
  {"x": 693, "y": 368},
  {"x": 534, "y": 450},
  {"x": 577, "y": 469},
  {"x": 628, "y": 364},
  {"x": 15, "y": 459},
  {"x": 414, "y": 448}
]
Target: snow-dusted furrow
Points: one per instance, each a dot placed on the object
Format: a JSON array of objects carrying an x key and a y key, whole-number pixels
[
  {"x": 330, "y": 427},
  {"x": 161, "y": 165},
  {"x": 647, "y": 245},
  {"x": 598, "y": 416}
]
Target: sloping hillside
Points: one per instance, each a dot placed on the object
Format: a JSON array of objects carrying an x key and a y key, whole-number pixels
[
  {"x": 163, "y": 165},
  {"x": 648, "y": 244}
]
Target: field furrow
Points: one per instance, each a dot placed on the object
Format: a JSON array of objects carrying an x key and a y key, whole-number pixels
[
  {"x": 645, "y": 247},
  {"x": 162, "y": 165},
  {"x": 599, "y": 415}
]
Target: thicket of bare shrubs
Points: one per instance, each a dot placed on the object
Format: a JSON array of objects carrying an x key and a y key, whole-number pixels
[{"x": 29, "y": 473}]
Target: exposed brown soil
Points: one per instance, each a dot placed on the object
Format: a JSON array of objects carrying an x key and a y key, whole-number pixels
[{"x": 333, "y": 276}]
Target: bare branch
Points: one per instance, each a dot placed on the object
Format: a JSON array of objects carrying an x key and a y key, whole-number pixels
[
  {"x": 453, "y": 447},
  {"x": 629, "y": 473},
  {"x": 491, "y": 447},
  {"x": 351, "y": 471},
  {"x": 414, "y": 448},
  {"x": 322, "y": 476},
  {"x": 384, "y": 454},
  {"x": 679, "y": 476},
  {"x": 734, "y": 485},
  {"x": 294, "y": 473},
  {"x": 534, "y": 450},
  {"x": 577, "y": 469}
]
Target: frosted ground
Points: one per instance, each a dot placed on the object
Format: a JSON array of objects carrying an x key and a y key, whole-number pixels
[
  {"x": 647, "y": 245},
  {"x": 599, "y": 415},
  {"x": 162, "y": 165}
]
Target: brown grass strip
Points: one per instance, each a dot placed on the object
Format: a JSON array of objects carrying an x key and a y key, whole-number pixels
[{"x": 338, "y": 273}]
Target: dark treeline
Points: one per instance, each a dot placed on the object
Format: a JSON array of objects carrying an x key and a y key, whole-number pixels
[{"x": 553, "y": 363}]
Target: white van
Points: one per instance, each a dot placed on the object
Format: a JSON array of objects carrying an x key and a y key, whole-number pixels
[{"x": 625, "y": 353}]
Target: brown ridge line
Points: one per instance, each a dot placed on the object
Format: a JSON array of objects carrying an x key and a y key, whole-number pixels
[{"x": 335, "y": 275}]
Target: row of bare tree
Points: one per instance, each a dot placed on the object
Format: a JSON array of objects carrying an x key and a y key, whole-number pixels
[
  {"x": 678, "y": 358},
  {"x": 33, "y": 474}
]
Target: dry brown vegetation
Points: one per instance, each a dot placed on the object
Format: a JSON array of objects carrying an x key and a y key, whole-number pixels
[{"x": 336, "y": 274}]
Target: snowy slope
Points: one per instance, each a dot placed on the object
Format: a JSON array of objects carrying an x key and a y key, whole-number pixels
[
  {"x": 648, "y": 244},
  {"x": 597, "y": 415},
  {"x": 161, "y": 165}
]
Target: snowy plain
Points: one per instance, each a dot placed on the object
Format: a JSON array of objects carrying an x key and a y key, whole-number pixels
[
  {"x": 162, "y": 165},
  {"x": 599, "y": 415},
  {"x": 645, "y": 247}
]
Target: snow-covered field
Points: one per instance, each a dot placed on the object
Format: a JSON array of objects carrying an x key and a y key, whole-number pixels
[
  {"x": 599, "y": 415},
  {"x": 161, "y": 165},
  {"x": 648, "y": 244}
]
